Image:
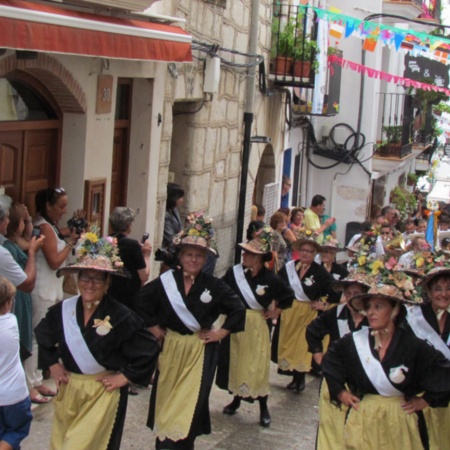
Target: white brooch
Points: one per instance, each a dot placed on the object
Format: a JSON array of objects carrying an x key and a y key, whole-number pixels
[
  {"x": 397, "y": 374},
  {"x": 336, "y": 276},
  {"x": 102, "y": 327},
  {"x": 206, "y": 296},
  {"x": 309, "y": 281},
  {"x": 261, "y": 290}
]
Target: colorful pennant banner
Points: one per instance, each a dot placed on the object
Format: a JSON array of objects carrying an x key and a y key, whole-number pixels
[
  {"x": 411, "y": 40},
  {"x": 373, "y": 73}
]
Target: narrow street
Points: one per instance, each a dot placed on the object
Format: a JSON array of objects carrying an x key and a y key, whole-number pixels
[{"x": 294, "y": 421}]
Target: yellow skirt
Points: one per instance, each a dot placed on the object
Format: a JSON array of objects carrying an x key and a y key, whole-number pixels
[
  {"x": 180, "y": 375},
  {"x": 330, "y": 434},
  {"x": 381, "y": 423},
  {"x": 250, "y": 358},
  {"x": 84, "y": 414},
  {"x": 292, "y": 346},
  {"x": 438, "y": 426}
]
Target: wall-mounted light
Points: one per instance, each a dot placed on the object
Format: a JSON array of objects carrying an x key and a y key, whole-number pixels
[{"x": 260, "y": 140}]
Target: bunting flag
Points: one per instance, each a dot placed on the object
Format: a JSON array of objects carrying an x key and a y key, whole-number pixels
[
  {"x": 418, "y": 42},
  {"x": 373, "y": 73}
]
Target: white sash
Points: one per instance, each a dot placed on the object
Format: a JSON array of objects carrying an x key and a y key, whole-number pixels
[
  {"x": 295, "y": 282},
  {"x": 75, "y": 341},
  {"x": 423, "y": 330},
  {"x": 372, "y": 366},
  {"x": 342, "y": 323},
  {"x": 175, "y": 299},
  {"x": 245, "y": 288}
]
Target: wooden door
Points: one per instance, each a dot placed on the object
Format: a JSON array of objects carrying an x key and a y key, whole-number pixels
[
  {"x": 119, "y": 173},
  {"x": 28, "y": 159}
]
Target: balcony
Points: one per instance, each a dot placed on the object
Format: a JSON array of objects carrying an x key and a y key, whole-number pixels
[
  {"x": 294, "y": 46},
  {"x": 123, "y": 5},
  {"x": 426, "y": 10}
]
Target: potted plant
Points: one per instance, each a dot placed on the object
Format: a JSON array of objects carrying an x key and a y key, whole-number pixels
[
  {"x": 391, "y": 143},
  {"x": 411, "y": 179},
  {"x": 304, "y": 53},
  {"x": 403, "y": 200},
  {"x": 283, "y": 46}
]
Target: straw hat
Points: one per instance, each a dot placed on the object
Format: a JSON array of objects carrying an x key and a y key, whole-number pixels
[
  {"x": 330, "y": 243},
  {"x": 261, "y": 245},
  {"x": 94, "y": 253},
  {"x": 197, "y": 232},
  {"x": 354, "y": 278},
  {"x": 436, "y": 272},
  {"x": 305, "y": 236}
]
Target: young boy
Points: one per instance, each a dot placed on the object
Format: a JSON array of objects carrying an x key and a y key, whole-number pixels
[{"x": 15, "y": 405}]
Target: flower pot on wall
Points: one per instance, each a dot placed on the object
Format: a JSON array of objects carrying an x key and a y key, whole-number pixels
[
  {"x": 282, "y": 65},
  {"x": 302, "y": 69}
]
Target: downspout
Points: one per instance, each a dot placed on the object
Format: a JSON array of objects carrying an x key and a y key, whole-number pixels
[{"x": 248, "y": 121}]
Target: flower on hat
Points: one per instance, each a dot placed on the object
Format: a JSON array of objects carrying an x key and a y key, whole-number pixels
[{"x": 376, "y": 266}]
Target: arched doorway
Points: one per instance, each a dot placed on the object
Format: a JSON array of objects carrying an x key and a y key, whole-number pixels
[
  {"x": 265, "y": 187},
  {"x": 30, "y": 136}
]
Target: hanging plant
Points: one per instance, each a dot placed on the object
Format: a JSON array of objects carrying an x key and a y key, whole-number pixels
[{"x": 403, "y": 200}]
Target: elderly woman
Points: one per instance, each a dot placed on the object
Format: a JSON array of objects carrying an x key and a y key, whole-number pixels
[
  {"x": 335, "y": 323},
  {"x": 180, "y": 307},
  {"x": 94, "y": 347},
  {"x": 379, "y": 373},
  {"x": 310, "y": 282},
  {"x": 134, "y": 255},
  {"x": 431, "y": 321},
  {"x": 244, "y": 360},
  {"x": 296, "y": 220}
]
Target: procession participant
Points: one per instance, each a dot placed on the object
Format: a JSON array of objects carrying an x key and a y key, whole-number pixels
[
  {"x": 379, "y": 372},
  {"x": 310, "y": 282},
  {"x": 244, "y": 359},
  {"x": 335, "y": 323},
  {"x": 180, "y": 307},
  {"x": 94, "y": 347},
  {"x": 431, "y": 322}
]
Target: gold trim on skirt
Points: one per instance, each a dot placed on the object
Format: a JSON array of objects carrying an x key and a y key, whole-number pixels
[
  {"x": 438, "y": 426},
  {"x": 250, "y": 358},
  {"x": 381, "y": 423},
  {"x": 84, "y": 414},
  {"x": 330, "y": 435},
  {"x": 180, "y": 375},
  {"x": 292, "y": 346}
]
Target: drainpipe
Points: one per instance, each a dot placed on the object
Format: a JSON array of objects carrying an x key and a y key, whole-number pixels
[{"x": 248, "y": 121}]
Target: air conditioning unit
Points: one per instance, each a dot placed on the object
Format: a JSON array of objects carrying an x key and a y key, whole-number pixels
[{"x": 127, "y": 5}]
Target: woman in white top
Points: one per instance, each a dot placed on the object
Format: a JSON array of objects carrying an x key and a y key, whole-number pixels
[{"x": 51, "y": 206}]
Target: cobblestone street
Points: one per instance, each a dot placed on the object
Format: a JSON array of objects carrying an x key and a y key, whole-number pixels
[{"x": 294, "y": 421}]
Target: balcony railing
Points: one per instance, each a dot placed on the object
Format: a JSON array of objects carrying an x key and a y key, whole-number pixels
[{"x": 294, "y": 46}]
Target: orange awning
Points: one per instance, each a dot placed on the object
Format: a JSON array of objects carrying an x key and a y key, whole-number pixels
[{"x": 50, "y": 29}]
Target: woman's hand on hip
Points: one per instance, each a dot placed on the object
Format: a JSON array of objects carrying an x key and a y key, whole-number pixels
[
  {"x": 59, "y": 373},
  {"x": 114, "y": 381},
  {"x": 348, "y": 399},
  {"x": 214, "y": 335},
  {"x": 414, "y": 404}
]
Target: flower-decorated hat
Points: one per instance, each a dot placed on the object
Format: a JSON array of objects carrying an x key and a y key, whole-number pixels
[
  {"x": 198, "y": 232},
  {"x": 94, "y": 253},
  {"x": 330, "y": 243},
  {"x": 395, "y": 285},
  {"x": 360, "y": 278},
  {"x": 261, "y": 245},
  {"x": 436, "y": 272},
  {"x": 365, "y": 245},
  {"x": 305, "y": 236}
]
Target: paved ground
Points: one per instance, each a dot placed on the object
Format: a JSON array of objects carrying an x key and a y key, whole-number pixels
[{"x": 294, "y": 421}]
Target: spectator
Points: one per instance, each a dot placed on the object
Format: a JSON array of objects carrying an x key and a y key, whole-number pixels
[
  {"x": 253, "y": 228},
  {"x": 285, "y": 188},
  {"x": 15, "y": 406},
  {"x": 283, "y": 238},
  {"x": 51, "y": 206},
  {"x": 134, "y": 255},
  {"x": 329, "y": 231},
  {"x": 389, "y": 214},
  {"x": 444, "y": 223},
  {"x": 172, "y": 220},
  {"x": 260, "y": 213},
  {"x": 312, "y": 217},
  {"x": 385, "y": 236},
  {"x": 418, "y": 244},
  {"x": 297, "y": 218},
  {"x": 421, "y": 226},
  {"x": 410, "y": 228}
]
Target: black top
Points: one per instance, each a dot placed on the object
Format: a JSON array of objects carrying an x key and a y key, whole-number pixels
[
  {"x": 155, "y": 308},
  {"x": 431, "y": 318},
  {"x": 338, "y": 271},
  {"x": 316, "y": 282},
  {"x": 124, "y": 289},
  {"x": 327, "y": 324},
  {"x": 428, "y": 370},
  {"x": 271, "y": 287},
  {"x": 128, "y": 348}
]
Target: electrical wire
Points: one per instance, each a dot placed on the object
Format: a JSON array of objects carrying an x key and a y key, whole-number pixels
[{"x": 181, "y": 113}]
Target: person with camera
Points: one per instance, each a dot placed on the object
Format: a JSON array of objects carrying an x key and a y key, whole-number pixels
[
  {"x": 51, "y": 206},
  {"x": 22, "y": 308},
  {"x": 135, "y": 257}
]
